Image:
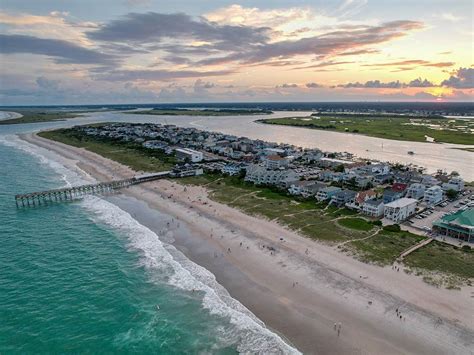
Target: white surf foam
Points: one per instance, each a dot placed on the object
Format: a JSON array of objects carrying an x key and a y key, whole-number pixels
[
  {"x": 46, "y": 157},
  {"x": 251, "y": 334},
  {"x": 253, "y": 337}
]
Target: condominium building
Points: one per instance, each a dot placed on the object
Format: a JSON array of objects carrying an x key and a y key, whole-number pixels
[
  {"x": 400, "y": 209},
  {"x": 433, "y": 195}
]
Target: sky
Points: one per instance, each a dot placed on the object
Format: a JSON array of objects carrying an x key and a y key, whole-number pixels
[{"x": 150, "y": 51}]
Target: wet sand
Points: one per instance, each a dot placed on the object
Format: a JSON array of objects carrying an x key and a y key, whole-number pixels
[{"x": 299, "y": 294}]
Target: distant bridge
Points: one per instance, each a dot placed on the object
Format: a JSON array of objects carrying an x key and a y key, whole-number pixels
[{"x": 73, "y": 193}]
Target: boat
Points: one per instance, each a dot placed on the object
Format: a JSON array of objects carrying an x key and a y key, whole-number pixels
[
  {"x": 410, "y": 152},
  {"x": 157, "y": 307}
]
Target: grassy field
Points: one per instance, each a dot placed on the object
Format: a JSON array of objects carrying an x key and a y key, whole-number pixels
[
  {"x": 442, "y": 258},
  {"x": 36, "y": 116},
  {"x": 203, "y": 112},
  {"x": 129, "y": 154},
  {"x": 389, "y": 127},
  {"x": 383, "y": 248},
  {"x": 356, "y": 223},
  {"x": 310, "y": 218}
]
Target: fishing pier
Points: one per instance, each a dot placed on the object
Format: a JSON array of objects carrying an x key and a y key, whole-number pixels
[{"x": 34, "y": 199}]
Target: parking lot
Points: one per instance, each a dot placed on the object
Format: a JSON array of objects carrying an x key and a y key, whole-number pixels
[{"x": 424, "y": 220}]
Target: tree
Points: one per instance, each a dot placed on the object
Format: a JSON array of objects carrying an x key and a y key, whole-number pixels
[
  {"x": 451, "y": 194},
  {"x": 339, "y": 168}
]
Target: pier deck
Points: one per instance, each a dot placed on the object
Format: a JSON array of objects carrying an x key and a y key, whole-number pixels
[{"x": 76, "y": 192}]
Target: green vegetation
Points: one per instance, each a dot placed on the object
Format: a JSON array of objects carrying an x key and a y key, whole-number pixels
[
  {"x": 310, "y": 218},
  {"x": 130, "y": 154},
  {"x": 440, "y": 257},
  {"x": 203, "y": 112},
  {"x": 36, "y": 116},
  {"x": 385, "y": 247},
  {"x": 356, "y": 223},
  {"x": 390, "y": 127}
]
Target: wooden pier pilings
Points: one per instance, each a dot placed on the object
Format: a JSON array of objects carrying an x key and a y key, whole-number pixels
[{"x": 76, "y": 192}]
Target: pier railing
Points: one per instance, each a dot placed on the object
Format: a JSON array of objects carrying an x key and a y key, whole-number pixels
[{"x": 76, "y": 192}]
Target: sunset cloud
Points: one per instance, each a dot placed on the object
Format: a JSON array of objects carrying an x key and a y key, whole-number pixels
[
  {"x": 142, "y": 50},
  {"x": 463, "y": 78}
]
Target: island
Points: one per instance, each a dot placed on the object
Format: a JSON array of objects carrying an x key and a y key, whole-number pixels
[
  {"x": 389, "y": 126},
  {"x": 201, "y": 112},
  {"x": 321, "y": 196}
]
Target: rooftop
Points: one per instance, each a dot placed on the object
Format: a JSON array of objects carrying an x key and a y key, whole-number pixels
[{"x": 401, "y": 202}]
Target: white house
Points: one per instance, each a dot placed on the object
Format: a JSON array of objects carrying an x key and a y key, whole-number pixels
[
  {"x": 400, "y": 209},
  {"x": 416, "y": 190},
  {"x": 189, "y": 154},
  {"x": 433, "y": 195},
  {"x": 373, "y": 208},
  {"x": 275, "y": 162},
  {"x": 456, "y": 184}
]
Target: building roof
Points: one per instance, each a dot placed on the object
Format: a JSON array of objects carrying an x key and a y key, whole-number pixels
[
  {"x": 274, "y": 158},
  {"x": 399, "y": 187},
  {"x": 461, "y": 218},
  {"x": 362, "y": 195},
  {"x": 374, "y": 202},
  {"x": 401, "y": 202}
]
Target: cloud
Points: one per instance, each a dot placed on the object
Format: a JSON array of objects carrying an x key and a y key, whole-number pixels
[
  {"x": 156, "y": 75},
  {"x": 326, "y": 64},
  {"x": 371, "y": 84},
  {"x": 56, "y": 25},
  {"x": 450, "y": 17},
  {"x": 463, "y": 78},
  {"x": 312, "y": 85},
  {"x": 47, "y": 84},
  {"x": 417, "y": 62},
  {"x": 201, "y": 87},
  {"x": 374, "y": 84},
  {"x": 419, "y": 83},
  {"x": 327, "y": 44},
  {"x": 152, "y": 27},
  {"x": 63, "y": 52},
  {"x": 360, "y": 52},
  {"x": 286, "y": 86}
]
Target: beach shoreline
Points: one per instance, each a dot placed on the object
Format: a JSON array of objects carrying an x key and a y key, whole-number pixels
[{"x": 299, "y": 295}]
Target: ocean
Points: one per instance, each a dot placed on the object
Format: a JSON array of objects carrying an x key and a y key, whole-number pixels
[{"x": 86, "y": 277}]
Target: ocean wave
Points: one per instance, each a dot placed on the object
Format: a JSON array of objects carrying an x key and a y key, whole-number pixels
[
  {"x": 46, "y": 157},
  {"x": 251, "y": 334}
]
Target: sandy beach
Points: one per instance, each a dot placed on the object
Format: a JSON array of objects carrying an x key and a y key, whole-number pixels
[{"x": 303, "y": 288}]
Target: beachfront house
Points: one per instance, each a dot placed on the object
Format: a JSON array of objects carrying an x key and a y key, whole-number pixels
[
  {"x": 326, "y": 193},
  {"x": 399, "y": 210},
  {"x": 373, "y": 208},
  {"x": 340, "y": 198},
  {"x": 433, "y": 195},
  {"x": 416, "y": 190},
  {"x": 360, "y": 198},
  {"x": 296, "y": 188}
]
